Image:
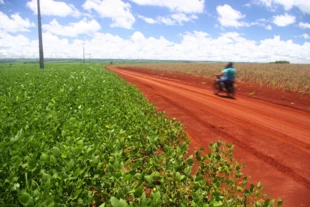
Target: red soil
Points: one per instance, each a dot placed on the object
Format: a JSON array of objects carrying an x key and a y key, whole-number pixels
[{"x": 270, "y": 129}]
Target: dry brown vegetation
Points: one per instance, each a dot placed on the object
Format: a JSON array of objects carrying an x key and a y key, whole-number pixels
[{"x": 288, "y": 77}]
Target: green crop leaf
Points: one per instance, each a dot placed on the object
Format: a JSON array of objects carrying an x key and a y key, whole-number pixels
[
  {"x": 76, "y": 194},
  {"x": 244, "y": 181},
  {"x": 259, "y": 185},
  {"x": 25, "y": 199},
  {"x": 118, "y": 203},
  {"x": 56, "y": 151},
  {"x": 267, "y": 203},
  {"x": 271, "y": 203},
  {"x": 217, "y": 203},
  {"x": 53, "y": 159},
  {"x": 247, "y": 193},
  {"x": 189, "y": 160},
  {"x": 44, "y": 157},
  {"x": 252, "y": 188},
  {"x": 156, "y": 196},
  {"x": 239, "y": 189},
  {"x": 188, "y": 170},
  {"x": 138, "y": 191},
  {"x": 148, "y": 179},
  {"x": 280, "y": 202},
  {"x": 155, "y": 175},
  {"x": 32, "y": 164}
]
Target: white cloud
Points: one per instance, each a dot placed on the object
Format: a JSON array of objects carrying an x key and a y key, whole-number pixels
[
  {"x": 306, "y": 36},
  {"x": 147, "y": 19},
  {"x": 54, "y": 8},
  {"x": 267, "y": 3},
  {"x": 174, "y": 19},
  {"x": 179, "y": 6},
  {"x": 277, "y": 49},
  {"x": 73, "y": 29},
  {"x": 17, "y": 46},
  {"x": 53, "y": 44},
  {"x": 180, "y": 18},
  {"x": 10, "y": 40},
  {"x": 116, "y": 10},
  {"x": 224, "y": 48},
  {"x": 262, "y": 22},
  {"x": 15, "y": 23},
  {"x": 20, "y": 46},
  {"x": 138, "y": 37},
  {"x": 284, "y": 20},
  {"x": 303, "y": 5},
  {"x": 1, "y": 1},
  {"x": 304, "y": 25},
  {"x": 196, "y": 45},
  {"x": 166, "y": 20},
  {"x": 228, "y": 17}
]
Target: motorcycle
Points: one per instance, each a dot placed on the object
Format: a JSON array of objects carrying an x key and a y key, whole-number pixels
[{"x": 219, "y": 87}]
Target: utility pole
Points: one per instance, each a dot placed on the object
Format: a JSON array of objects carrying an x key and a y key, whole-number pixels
[
  {"x": 83, "y": 53},
  {"x": 40, "y": 37},
  {"x": 89, "y": 57}
]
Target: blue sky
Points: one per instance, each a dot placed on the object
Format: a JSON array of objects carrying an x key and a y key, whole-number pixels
[{"x": 215, "y": 30}]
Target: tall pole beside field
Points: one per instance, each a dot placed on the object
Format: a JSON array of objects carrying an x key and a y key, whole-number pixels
[
  {"x": 83, "y": 53},
  {"x": 40, "y": 37}
]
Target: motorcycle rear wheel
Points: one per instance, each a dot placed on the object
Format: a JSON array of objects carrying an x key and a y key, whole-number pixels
[
  {"x": 231, "y": 91},
  {"x": 217, "y": 87}
]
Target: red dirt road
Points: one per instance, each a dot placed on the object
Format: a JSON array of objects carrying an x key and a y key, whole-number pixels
[{"x": 272, "y": 140}]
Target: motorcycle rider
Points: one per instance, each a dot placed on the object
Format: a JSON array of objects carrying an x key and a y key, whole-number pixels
[{"x": 227, "y": 75}]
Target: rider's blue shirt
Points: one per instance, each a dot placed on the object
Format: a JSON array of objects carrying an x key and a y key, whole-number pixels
[{"x": 229, "y": 73}]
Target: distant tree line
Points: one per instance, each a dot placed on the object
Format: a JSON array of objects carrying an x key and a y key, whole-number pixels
[{"x": 281, "y": 62}]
